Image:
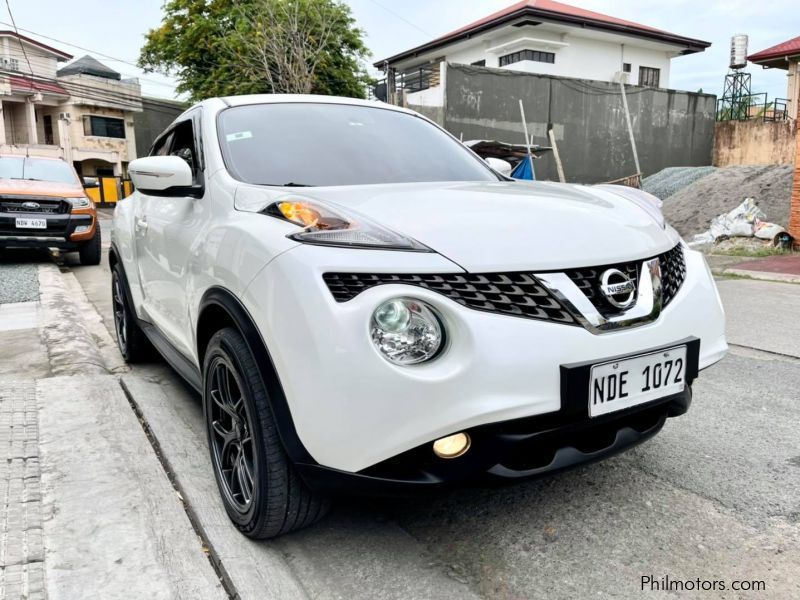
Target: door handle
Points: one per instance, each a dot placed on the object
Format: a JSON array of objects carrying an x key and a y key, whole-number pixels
[{"x": 141, "y": 224}]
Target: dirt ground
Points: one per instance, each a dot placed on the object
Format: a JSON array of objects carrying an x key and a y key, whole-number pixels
[{"x": 691, "y": 209}]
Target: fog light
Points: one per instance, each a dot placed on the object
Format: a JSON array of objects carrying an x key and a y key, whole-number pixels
[
  {"x": 452, "y": 446},
  {"x": 82, "y": 229},
  {"x": 406, "y": 331}
]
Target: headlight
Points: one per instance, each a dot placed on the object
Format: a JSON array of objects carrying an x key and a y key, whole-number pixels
[
  {"x": 335, "y": 226},
  {"x": 406, "y": 331},
  {"x": 80, "y": 202}
]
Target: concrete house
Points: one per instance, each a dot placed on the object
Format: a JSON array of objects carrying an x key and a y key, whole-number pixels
[
  {"x": 82, "y": 112},
  {"x": 100, "y": 113},
  {"x": 543, "y": 37},
  {"x": 785, "y": 55}
]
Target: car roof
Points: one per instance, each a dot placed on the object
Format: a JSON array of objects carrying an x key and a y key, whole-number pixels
[{"x": 248, "y": 99}]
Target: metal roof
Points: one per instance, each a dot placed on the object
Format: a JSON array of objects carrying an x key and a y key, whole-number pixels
[
  {"x": 775, "y": 56},
  {"x": 89, "y": 65}
]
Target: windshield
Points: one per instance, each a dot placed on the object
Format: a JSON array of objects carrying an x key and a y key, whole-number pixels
[
  {"x": 337, "y": 144},
  {"x": 37, "y": 169}
]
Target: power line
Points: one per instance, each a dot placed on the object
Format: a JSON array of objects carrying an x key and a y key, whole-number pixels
[
  {"x": 401, "y": 17},
  {"x": 94, "y": 52},
  {"x": 21, "y": 45}
]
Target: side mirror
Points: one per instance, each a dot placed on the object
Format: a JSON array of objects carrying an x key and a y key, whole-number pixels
[
  {"x": 90, "y": 182},
  {"x": 498, "y": 164},
  {"x": 161, "y": 176}
]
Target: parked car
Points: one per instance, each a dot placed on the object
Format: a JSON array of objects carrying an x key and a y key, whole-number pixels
[
  {"x": 43, "y": 204},
  {"x": 367, "y": 307}
]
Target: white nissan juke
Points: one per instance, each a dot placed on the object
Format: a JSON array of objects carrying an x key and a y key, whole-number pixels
[{"x": 367, "y": 307}]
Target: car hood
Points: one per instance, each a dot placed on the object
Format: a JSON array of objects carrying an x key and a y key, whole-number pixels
[
  {"x": 28, "y": 187},
  {"x": 500, "y": 226}
]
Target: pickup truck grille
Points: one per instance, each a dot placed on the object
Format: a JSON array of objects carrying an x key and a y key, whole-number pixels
[
  {"x": 33, "y": 205},
  {"x": 517, "y": 294}
]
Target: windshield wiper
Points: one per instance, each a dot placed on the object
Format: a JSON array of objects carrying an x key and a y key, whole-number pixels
[{"x": 290, "y": 184}]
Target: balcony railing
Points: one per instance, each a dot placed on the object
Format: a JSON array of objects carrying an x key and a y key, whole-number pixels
[{"x": 753, "y": 106}]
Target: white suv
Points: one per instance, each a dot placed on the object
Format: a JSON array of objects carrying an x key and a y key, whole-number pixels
[{"x": 366, "y": 306}]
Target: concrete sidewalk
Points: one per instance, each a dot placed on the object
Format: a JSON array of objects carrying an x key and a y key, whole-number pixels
[
  {"x": 86, "y": 508},
  {"x": 784, "y": 268}
]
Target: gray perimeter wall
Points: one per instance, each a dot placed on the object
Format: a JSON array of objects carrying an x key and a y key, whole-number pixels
[
  {"x": 157, "y": 114},
  {"x": 671, "y": 128}
]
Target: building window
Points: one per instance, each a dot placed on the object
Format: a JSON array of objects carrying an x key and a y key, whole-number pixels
[
  {"x": 626, "y": 67},
  {"x": 479, "y": 63},
  {"x": 13, "y": 64},
  {"x": 536, "y": 55},
  {"x": 649, "y": 77},
  {"x": 104, "y": 126}
]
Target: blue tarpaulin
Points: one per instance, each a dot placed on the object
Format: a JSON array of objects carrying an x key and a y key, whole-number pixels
[{"x": 524, "y": 170}]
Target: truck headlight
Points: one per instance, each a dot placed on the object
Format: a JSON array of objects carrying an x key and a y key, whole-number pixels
[{"x": 406, "y": 331}]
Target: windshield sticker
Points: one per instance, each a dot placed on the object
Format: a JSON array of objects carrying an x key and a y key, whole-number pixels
[{"x": 239, "y": 135}]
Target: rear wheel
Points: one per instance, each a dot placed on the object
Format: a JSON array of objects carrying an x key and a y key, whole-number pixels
[
  {"x": 262, "y": 493},
  {"x": 131, "y": 340},
  {"x": 91, "y": 251}
]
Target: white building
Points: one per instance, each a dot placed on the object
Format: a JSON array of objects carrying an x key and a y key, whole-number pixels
[
  {"x": 82, "y": 112},
  {"x": 546, "y": 37}
]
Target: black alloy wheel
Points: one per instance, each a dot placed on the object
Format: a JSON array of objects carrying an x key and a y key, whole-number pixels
[
  {"x": 231, "y": 431},
  {"x": 131, "y": 340},
  {"x": 262, "y": 493}
]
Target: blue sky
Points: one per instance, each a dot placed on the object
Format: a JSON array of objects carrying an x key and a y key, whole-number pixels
[{"x": 116, "y": 28}]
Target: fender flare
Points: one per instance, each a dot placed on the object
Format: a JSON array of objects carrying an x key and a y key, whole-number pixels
[{"x": 228, "y": 302}]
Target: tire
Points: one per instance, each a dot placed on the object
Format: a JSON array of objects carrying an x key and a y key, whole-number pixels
[
  {"x": 91, "y": 251},
  {"x": 131, "y": 340},
  {"x": 262, "y": 493}
]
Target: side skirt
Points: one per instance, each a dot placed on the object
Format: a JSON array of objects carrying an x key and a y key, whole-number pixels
[{"x": 174, "y": 357}]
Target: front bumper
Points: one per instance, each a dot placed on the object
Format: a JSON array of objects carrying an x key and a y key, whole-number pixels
[
  {"x": 60, "y": 231},
  {"x": 353, "y": 410},
  {"x": 504, "y": 452}
]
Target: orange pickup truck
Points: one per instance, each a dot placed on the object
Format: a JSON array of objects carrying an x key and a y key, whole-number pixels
[{"x": 43, "y": 204}]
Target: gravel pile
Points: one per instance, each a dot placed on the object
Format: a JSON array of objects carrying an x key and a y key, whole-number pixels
[
  {"x": 18, "y": 283},
  {"x": 691, "y": 209},
  {"x": 673, "y": 179}
]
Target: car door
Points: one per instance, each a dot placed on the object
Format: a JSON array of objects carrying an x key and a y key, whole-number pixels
[{"x": 166, "y": 230}]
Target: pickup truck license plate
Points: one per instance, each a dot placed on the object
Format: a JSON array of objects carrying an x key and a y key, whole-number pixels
[
  {"x": 31, "y": 223},
  {"x": 624, "y": 383}
]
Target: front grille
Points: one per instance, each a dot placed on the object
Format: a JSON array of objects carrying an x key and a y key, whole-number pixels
[
  {"x": 516, "y": 294},
  {"x": 34, "y": 205},
  {"x": 588, "y": 281},
  {"x": 673, "y": 272}
]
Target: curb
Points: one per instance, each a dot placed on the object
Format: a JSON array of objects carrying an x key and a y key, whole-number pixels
[{"x": 763, "y": 275}]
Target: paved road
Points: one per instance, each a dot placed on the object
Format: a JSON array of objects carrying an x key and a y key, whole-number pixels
[{"x": 715, "y": 496}]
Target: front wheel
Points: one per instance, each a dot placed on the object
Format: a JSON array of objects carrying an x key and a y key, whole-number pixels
[
  {"x": 91, "y": 251},
  {"x": 262, "y": 493}
]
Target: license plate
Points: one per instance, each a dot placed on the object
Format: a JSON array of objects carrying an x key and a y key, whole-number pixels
[
  {"x": 624, "y": 383},
  {"x": 31, "y": 223}
]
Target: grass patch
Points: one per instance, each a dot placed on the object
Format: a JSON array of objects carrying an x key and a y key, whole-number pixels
[{"x": 754, "y": 252}]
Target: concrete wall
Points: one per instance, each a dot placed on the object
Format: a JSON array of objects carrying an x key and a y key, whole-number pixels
[
  {"x": 42, "y": 63},
  {"x": 671, "y": 128},
  {"x": 156, "y": 116},
  {"x": 754, "y": 142}
]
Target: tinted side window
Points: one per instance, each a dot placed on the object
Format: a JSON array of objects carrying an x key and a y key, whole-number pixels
[
  {"x": 183, "y": 146},
  {"x": 161, "y": 146}
]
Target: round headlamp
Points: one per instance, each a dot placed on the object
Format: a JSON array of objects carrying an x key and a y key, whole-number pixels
[{"x": 406, "y": 331}]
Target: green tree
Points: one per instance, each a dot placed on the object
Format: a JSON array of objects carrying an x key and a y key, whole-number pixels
[{"x": 226, "y": 47}]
